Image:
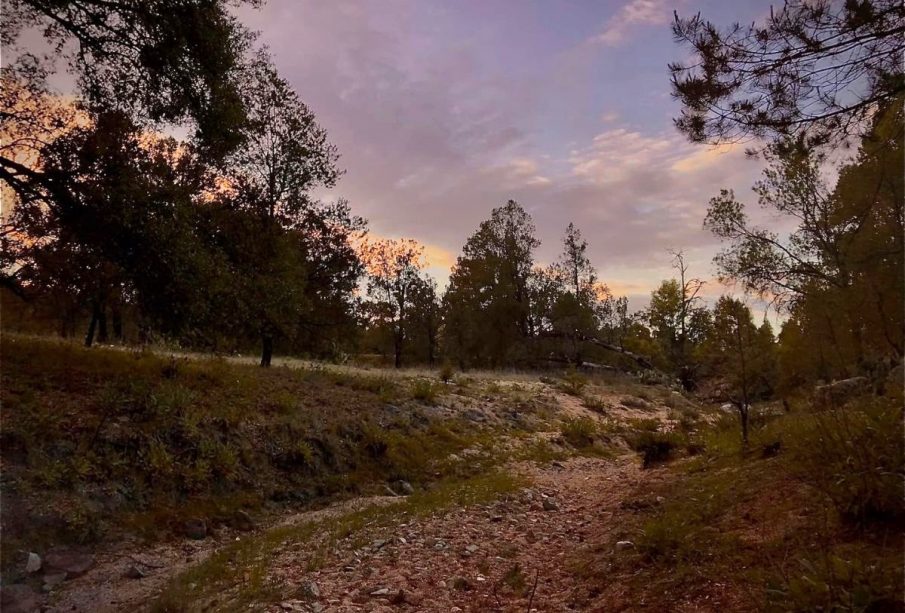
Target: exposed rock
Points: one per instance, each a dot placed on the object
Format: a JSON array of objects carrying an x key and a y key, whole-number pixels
[
  {"x": 398, "y": 598},
  {"x": 309, "y": 590},
  {"x": 19, "y": 598},
  {"x": 379, "y": 544},
  {"x": 405, "y": 488},
  {"x": 390, "y": 491},
  {"x": 243, "y": 521},
  {"x": 51, "y": 580},
  {"x": 195, "y": 529},
  {"x": 33, "y": 564},
  {"x": 837, "y": 393},
  {"x": 73, "y": 563},
  {"x": 381, "y": 591},
  {"x": 550, "y": 504},
  {"x": 135, "y": 571},
  {"x": 471, "y": 550},
  {"x": 623, "y": 545}
]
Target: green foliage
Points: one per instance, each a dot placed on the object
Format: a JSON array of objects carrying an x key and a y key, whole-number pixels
[
  {"x": 580, "y": 432},
  {"x": 655, "y": 446},
  {"x": 573, "y": 382},
  {"x": 425, "y": 391},
  {"x": 855, "y": 456},
  {"x": 446, "y": 373}
]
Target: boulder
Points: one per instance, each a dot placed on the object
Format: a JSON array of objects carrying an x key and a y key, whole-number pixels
[
  {"x": 73, "y": 563},
  {"x": 837, "y": 393}
]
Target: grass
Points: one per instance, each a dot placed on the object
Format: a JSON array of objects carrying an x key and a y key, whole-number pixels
[
  {"x": 815, "y": 524},
  {"x": 236, "y": 575},
  {"x": 110, "y": 441}
]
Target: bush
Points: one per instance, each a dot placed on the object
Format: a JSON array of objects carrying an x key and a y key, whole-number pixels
[
  {"x": 579, "y": 432},
  {"x": 654, "y": 446},
  {"x": 446, "y": 372},
  {"x": 854, "y": 456},
  {"x": 573, "y": 382},
  {"x": 598, "y": 405},
  {"x": 424, "y": 391}
]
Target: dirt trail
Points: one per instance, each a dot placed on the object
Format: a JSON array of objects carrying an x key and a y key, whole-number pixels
[
  {"x": 478, "y": 558},
  {"x": 108, "y": 586},
  {"x": 481, "y": 558}
]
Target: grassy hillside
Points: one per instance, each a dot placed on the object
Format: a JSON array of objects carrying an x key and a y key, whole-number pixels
[{"x": 100, "y": 442}]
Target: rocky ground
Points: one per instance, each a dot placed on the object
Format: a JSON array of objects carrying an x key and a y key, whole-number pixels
[{"x": 520, "y": 552}]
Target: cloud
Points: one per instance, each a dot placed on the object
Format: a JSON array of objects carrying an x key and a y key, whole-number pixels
[
  {"x": 433, "y": 135},
  {"x": 635, "y": 13}
]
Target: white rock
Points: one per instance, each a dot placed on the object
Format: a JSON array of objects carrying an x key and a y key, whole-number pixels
[
  {"x": 33, "y": 564},
  {"x": 621, "y": 545}
]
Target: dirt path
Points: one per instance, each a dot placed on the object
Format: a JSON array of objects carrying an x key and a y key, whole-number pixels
[
  {"x": 108, "y": 586},
  {"x": 524, "y": 549},
  {"x": 482, "y": 558}
]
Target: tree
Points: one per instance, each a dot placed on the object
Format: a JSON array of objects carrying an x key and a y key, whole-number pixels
[
  {"x": 576, "y": 307},
  {"x": 740, "y": 355},
  {"x": 425, "y": 317},
  {"x": 839, "y": 271},
  {"x": 488, "y": 304},
  {"x": 159, "y": 60},
  {"x": 813, "y": 71},
  {"x": 394, "y": 281},
  {"x": 678, "y": 320},
  {"x": 285, "y": 156},
  {"x": 111, "y": 218}
]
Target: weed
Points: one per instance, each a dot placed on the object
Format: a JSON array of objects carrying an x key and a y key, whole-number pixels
[
  {"x": 424, "y": 391},
  {"x": 573, "y": 382},
  {"x": 579, "y": 432}
]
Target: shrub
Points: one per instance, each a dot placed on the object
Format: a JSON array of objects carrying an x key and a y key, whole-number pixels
[
  {"x": 446, "y": 372},
  {"x": 424, "y": 391},
  {"x": 594, "y": 404},
  {"x": 579, "y": 432},
  {"x": 855, "y": 457},
  {"x": 573, "y": 382},
  {"x": 654, "y": 446}
]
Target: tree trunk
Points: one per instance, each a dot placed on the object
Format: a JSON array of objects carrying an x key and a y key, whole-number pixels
[
  {"x": 89, "y": 337},
  {"x": 397, "y": 352},
  {"x": 102, "y": 335},
  {"x": 266, "y": 350},
  {"x": 117, "y": 315},
  {"x": 743, "y": 414}
]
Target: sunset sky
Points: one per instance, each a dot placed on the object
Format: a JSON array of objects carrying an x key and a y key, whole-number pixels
[{"x": 443, "y": 110}]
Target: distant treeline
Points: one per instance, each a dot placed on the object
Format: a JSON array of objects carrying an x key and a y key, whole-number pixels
[{"x": 120, "y": 233}]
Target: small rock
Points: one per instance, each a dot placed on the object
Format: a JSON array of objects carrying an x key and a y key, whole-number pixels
[
  {"x": 405, "y": 487},
  {"x": 51, "y": 580},
  {"x": 471, "y": 549},
  {"x": 309, "y": 590},
  {"x": 550, "y": 504},
  {"x": 72, "y": 563},
  {"x": 622, "y": 545},
  {"x": 33, "y": 564},
  {"x": 383, "y": 591},
  {"x": 195, "y": 529},
  {"x": 557, "y": 464},
  {"x": 18, "y": 598},
  {"x": 135, "y": 572},
  {"x": 379, "y": 544},
  {"x": 243, "y": 521}
]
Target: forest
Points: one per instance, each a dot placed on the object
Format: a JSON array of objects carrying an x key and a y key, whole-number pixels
[{"x": 169, "y": 210}]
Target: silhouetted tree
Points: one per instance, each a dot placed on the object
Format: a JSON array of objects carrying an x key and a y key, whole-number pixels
[{"x": 814, "y": 71}]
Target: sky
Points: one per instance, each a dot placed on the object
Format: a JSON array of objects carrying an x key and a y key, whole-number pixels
[{"x": 443, "y": 110}]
